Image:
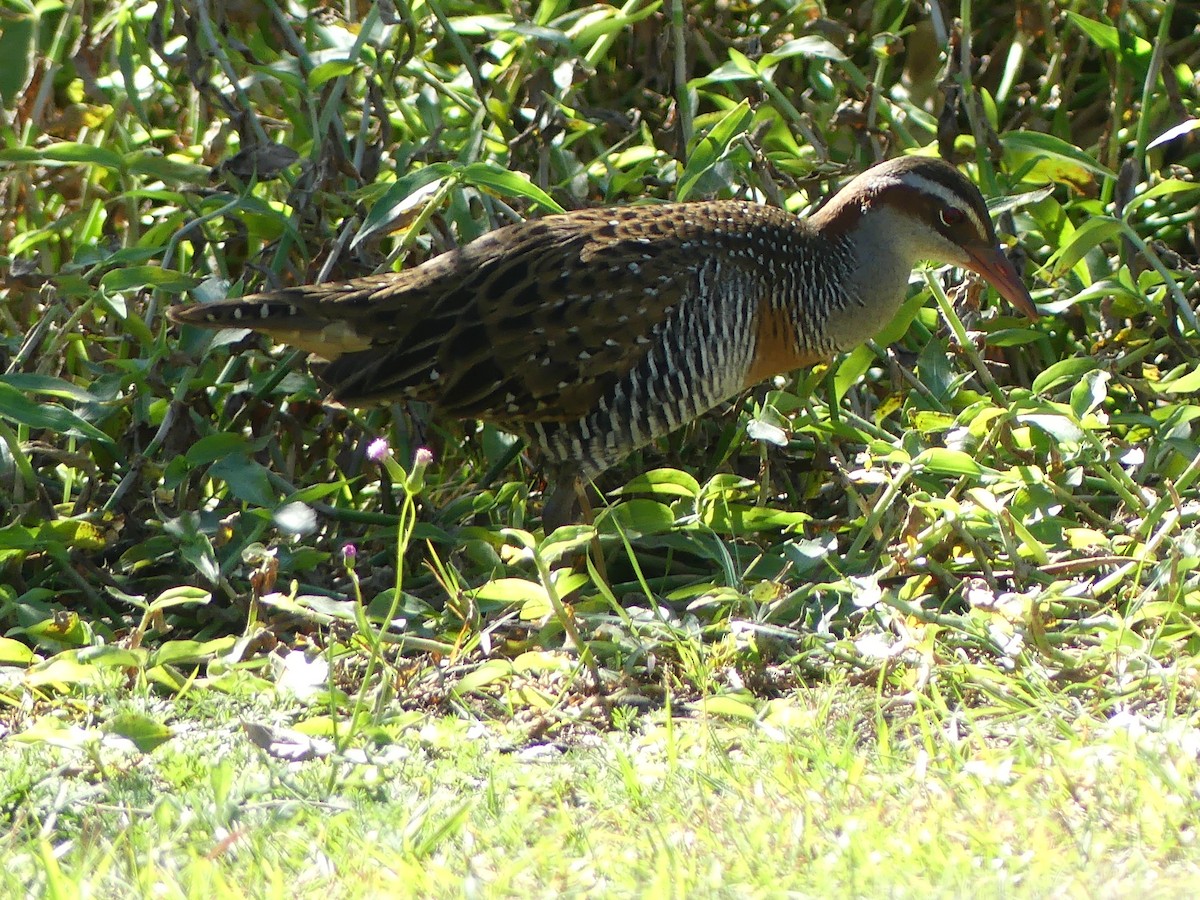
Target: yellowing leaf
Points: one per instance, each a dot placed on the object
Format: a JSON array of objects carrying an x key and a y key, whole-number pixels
[
  {"x": 725, "y": 705},
  {"x": 490, "y": 672},
  {"x": 1083, "y": 538},
  {"x": 14, "y": 653}
]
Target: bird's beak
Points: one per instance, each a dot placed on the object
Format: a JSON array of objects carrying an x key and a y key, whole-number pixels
[{"x": 993, "y": 265}]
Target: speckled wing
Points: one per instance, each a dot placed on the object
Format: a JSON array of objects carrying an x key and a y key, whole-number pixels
[{"x": 532, "y": 322}]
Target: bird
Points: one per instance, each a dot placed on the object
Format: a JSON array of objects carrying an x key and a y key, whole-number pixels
[{"x": 597, "y": 331}]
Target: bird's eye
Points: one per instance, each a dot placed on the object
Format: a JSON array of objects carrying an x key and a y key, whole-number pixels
[{"x": 951, "y": 216}]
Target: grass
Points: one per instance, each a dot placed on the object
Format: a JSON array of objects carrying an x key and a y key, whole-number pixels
[
  {"x": 920, "y": 621},
  {"x": 834, "y": 790}
]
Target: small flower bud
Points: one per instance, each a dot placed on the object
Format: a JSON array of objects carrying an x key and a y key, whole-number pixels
[
  {"x": 415, "y": 483},
  {"x": 378, "y": 450}
]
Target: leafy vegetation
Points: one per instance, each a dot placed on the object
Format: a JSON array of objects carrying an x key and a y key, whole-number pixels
[{"x": 975, "y": 525}]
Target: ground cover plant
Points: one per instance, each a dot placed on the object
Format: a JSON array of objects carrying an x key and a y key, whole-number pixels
[{"x": 952, "y": 570}]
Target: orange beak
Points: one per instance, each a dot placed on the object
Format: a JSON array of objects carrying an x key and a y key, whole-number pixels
[{"x": 993, "y": 265}]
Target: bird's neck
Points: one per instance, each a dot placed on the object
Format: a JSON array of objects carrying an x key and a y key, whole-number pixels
[{"x": 875, "y": 256}]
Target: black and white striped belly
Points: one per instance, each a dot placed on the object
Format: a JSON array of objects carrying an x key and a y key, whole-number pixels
[{"x": 698, "y": 359}]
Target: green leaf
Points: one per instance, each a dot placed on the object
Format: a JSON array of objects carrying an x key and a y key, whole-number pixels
[
  {"x": 490, "y": 672},
  {"x": 743, "y": 62},
  {"x": 63, "y": 534},
  {"x": 74, "y": 534},
  {"x": 17, "y": 537},
  {"x": 1069, "y": 370},
  {"x": 712, "y": 147},
  {"x": 741, "y": 518},
  {"x": 1060, "y": 428},
  {"x": 217, "y": 446},
  {"x": 63, "y": 631},
  {"x": 930, "y": 422},
  {"x": 145, "y": 732},
  {"x": 183, "y": 595},
  {"x": 898, "y": 325},
  {"x": 169, "y": 169},
  {"x": 83, "y": 666},
  {"x": 1091, "y": 234},
  {"x": 1035, "y": 548},
  {"x": 668, "y": 482},
  {"x": 397, "y": 199},
  {"x": 507, "y": 184},
  {"x": 65, "y": 153},
  {"x": 725, "y": 485},
  {"x": 247, "y": 479},
  {"x": 18, "y": 49},
  {"x": 943, "y": 461},
  {"x": 635, "y": 517},
  {"x": 1012, "y": 337},
  {"x": 327, "y": 71},
  {"x": 1057, "y": 160},
  {"x": 810, "y": 45},
  {"x": 1090, "y": 391},
  {"x": 603, "y": 20},
  {"x": 805, "y": 554},
  {"x": 55, "y": 733},
  {"x": 111, "y": 656},
  {"x": 135, "y": 278},
  {"x": 543, "y": 661},
  {"x": 1183, "y": 384},
  {"x": 510, "y": 591},
  {"x": 193, "y": 545},
  {"x": 1132, "y": 50},
  {"x": 564, "y": 540},
  {"x": 474, "y": 26},
  {"x": 14, "y": 653},
  {"x": 851, "y": 368},
  {"x": 1166, "y": 188},
  {"x": 17, "y": 407},
  {"x": 190, "y": 652},
  {"x": 31, "y": 383},
  {"x": 539, "y": 607},
  {"x": 727, "y": 706},
  {"x": 739, "y": 68}
]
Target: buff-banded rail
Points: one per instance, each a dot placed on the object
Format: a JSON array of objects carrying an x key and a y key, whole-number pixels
[{"x": 594, "y": 332}]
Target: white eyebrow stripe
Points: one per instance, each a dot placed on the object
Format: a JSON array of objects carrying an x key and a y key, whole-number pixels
[{"x": 943, "y": 193}]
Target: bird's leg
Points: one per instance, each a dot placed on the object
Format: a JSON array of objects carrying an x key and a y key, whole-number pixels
[
  {"x": 567, "y": 504},
  {"x": 583, "y": 503},
  {"x": 587, "y": 517},
  {"x": 562, "y": 504}
]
